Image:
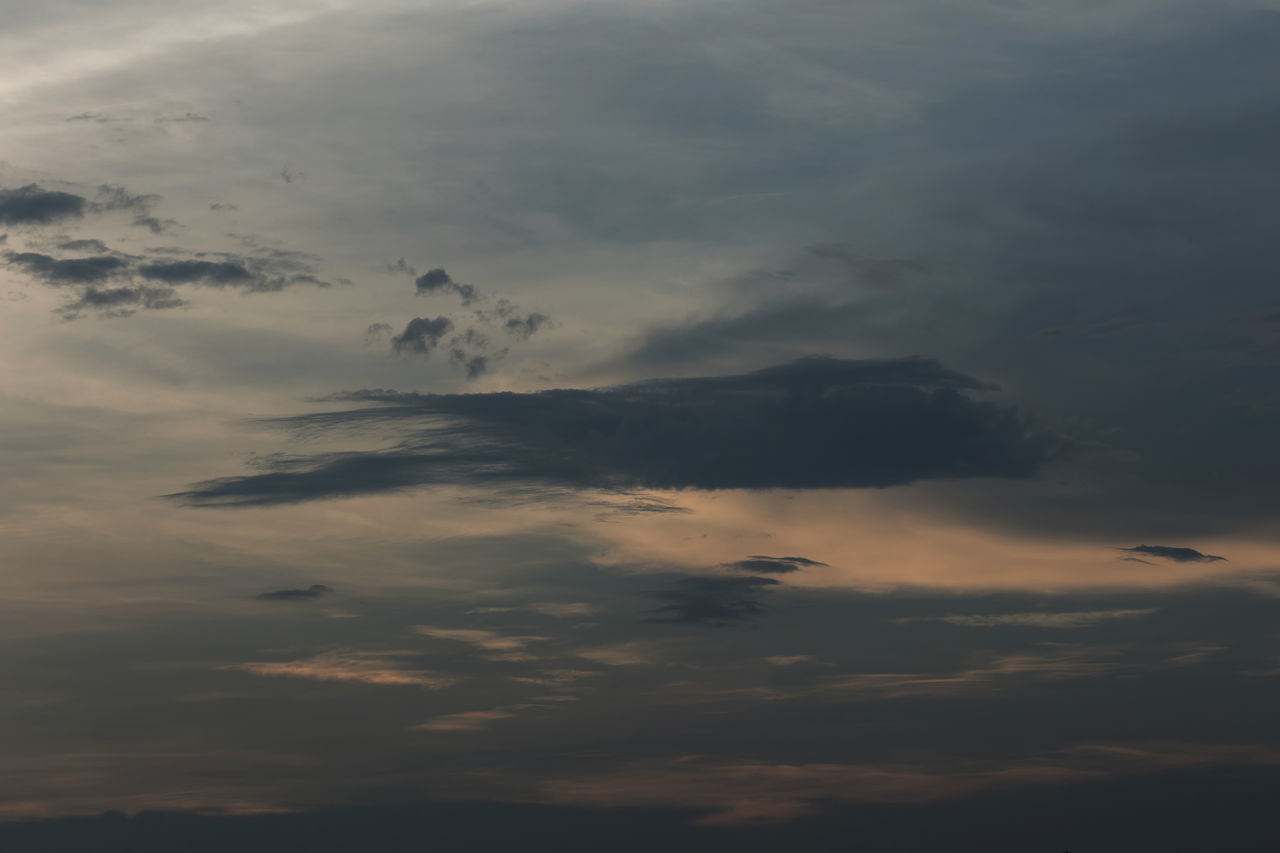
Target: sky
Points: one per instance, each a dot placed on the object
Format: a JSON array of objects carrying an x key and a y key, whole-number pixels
[{"x": 603, "y": 425}]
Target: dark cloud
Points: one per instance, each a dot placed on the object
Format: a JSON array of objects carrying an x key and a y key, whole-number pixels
[
  {"x": 121, "y": 301},
  {"x": 270, "y": 271},
  {"x": 211, "y": 273},
  {"x": 814, "y": 423},
  {"x": 474, "y": 365},
  {"x": 1177, "y": 555},
  {"x": 56, "y": 271},
  {"x": 33, "y": 205},
  {"x": 772, "y": 565},
  {"x": 316, "y": 590},
  {"x": 525, "y": 327},
  {"x": 469, "y": 351},
  {"x": 431, "y": 280},
  {"x": 422, "y": 335},
  {"x": 439, "y": 281},
  {"x": 712, "y": 601}
]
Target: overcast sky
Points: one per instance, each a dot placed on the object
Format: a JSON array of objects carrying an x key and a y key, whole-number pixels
[{"x": 707, "y": 416}]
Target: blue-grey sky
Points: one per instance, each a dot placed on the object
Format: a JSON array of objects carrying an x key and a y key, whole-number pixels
[{"x": 758, "y": 422}]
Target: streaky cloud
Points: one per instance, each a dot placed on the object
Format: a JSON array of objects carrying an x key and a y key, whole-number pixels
[
  {"x": 316, "y": 590},
  {"x": 1176, "y": 554},
  {"x": 815, "y": 423}
]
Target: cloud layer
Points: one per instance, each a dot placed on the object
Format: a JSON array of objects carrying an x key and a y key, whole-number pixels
[{"x": 814, "y": 423}]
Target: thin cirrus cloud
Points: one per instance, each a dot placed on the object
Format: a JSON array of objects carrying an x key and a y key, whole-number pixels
[
  {"x": 813, "y": 423},
  {"x": 747, "y": 792},
  {"x": 480, "y": 638},
  {"x": 386, "y": 668},
  {"x": 1067, "y": 620},
  {"x": 464, "y": 721},
  {"x": 71, "y": 52},
  {"x": 310, "y": 593}
]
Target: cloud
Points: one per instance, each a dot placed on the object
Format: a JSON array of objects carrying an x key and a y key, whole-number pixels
[
  {"x": 554, "y": 609},
  {"x": 469, "y": 350},
  {"x": 1055, "y": 663},
  {"x": 383, "y": 668},
  {"x": 211, "y": 273},
  {"x": 787, "y": 660},
  {"x": 490, "y": 641},
  {"x": 377, "y": 331},
  {"x": 1073, "y": 619},
  {"x": 475, "y": 365},
  {"x": 1177, "y": 555},
  {"x": 439, "y": 281},
  {"x": 525, "y": 327},
  {"x": 86, "y": 245},
  {"x": 813, "y": 423},
  {"x": 56, "y": 271},
  {"x": 772, "y": 565},
  {"x": 316, "y": 590},
  {"x": 632, "y": 653},
  {"x": 465, "y": 721},
  {"x": 755, "y": 792},
  {"x": 121, "y": 301},
  {"x": 33, "y": 205},
  {"x": 260, "y": 271},
  {"x": 711, "y": 601},
  {"x": 421, "y": 335},
  {"x": 111, "y": 197}
]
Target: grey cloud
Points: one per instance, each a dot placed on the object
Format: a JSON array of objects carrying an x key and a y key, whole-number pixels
[
  {"x": 712, "y": 601},
  {"x": 525, "y": 327},
  {"x": 213, "y": 273},
  {"x": 814, "y": 423},
  {"x": 772, "y": 565},
  {"x": 33, "y": 205},
  {"x": 439, "y": 281},
  {"x": 431, "y": 280},
  {"x": 122, "y": 301},
  {"x": 377, "y": 331},
  {"x": 272, "y": 271},
  {"x": 421, "y": 335},
  {"x": 316, "y": 590},
  {"x": 112, "y": 197},
  {"x": 56, "y": 271},
  {"x": 1177, "y": 555},
  {"x": 88, "y": 245},
  {"x": 794, "y": 323},
  {"x": 474, "y": 365}
]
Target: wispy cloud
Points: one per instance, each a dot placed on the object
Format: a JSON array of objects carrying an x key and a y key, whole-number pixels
[
  {"x": 464, "y": 721},
  {"x": 758, "y": 792},
  {"x": 383, "y": 668},
  {"x": 1070, "y": 619},
  {"x": 1054, "y": 663}
]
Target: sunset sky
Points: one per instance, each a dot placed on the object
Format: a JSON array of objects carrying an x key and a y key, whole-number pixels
[{"x": 573, "y": 424}]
